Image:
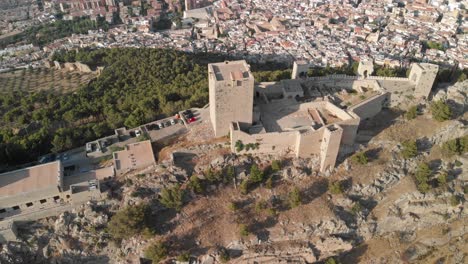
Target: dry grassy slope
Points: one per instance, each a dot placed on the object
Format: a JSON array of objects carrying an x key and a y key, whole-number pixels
[
  {"x": 209, "y": 222},
  {"x": 391, "y": 248}
]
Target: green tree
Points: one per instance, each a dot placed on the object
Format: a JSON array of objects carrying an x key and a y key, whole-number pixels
[
  {"x": 335, "y": 187},
  {"x": 172, "y": 197},
  {"x": 239, "y": 146},
  {"x": 442, "y": 179},
  {"x": 229, "y": 174},
  {"x": 244, "y": 186},
  {"x": 454, "y": 200},
  {"x": 127, "y": 222},
  {"x": 410, "y": 149},
  {"x": 331, "y": 261},
  {"x": 457, "y": 146},
  {"x": 360, "y": 158},
  {"x": 441, "y": 111},
  {"x": 243, "y": 230},
  {"x": 275, "y": 165},
  {"x": 295, "y": 198},
  {"x": 256, "y": 175},
  {"x": 196, "y": 185},
  {"x": 156, "y": 251},
  {"x": 422, "y": 175},
  {"x": 184, "y": 257},
  {"x": 412, "y": 112}
]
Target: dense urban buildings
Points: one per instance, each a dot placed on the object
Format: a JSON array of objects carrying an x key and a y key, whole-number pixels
[{"x": 333, "y": 33}]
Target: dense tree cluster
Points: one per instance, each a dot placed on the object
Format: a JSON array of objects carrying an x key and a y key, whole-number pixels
[
  {"x": 136, "y": 86},
  {"x": 441, "y": 111},
  {"x": 44, "y": 34},
  {"x": 127, "y": 222}
]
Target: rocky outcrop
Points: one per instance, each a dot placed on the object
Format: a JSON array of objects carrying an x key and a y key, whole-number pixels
[{"x": 456, "y": 97}]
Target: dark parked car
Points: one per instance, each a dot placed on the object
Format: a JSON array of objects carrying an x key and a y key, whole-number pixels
[
  {"x": 47, "y": 158},
  {"x": 153, "y": 127},
  {"x": 188, "y": 115}
]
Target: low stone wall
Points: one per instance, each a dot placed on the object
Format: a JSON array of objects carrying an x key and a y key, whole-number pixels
[
  {"x": 370, "y": 107},
  {"x": 273, "y": 143}
]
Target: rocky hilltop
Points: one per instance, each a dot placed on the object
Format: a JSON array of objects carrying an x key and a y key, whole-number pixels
[{"x": 390, "y": 202}]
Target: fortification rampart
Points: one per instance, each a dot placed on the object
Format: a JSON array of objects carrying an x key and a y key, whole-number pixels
[
  {"x": 278, "y": 143},
  {"x": 371, "y": 106}
]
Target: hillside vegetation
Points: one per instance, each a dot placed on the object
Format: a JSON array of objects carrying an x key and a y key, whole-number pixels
[{"x": 137, "y": 86}]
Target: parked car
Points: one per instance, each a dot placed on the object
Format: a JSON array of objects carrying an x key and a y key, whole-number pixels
[
  {"x": 46, "y": 158},
  {"x": 137, "y": 133},
  {"x": 173, "y": 122},
  {"x": 188, "y": 116},
  {"x": 167, "y": 123},
  {"x": 161, "y": 125},
  {"x": 153, "y": 127},
  {"x": 191, "y": 120}
]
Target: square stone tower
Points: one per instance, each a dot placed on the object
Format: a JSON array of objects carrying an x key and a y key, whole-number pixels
[
  {"x": 423, "y": 75},
  {"x": 330, "y": 147},
  {"x": 231, "y": 89}
]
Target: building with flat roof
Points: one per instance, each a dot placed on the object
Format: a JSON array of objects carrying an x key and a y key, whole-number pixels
[
  {"x": 134, "y": 156},
  {"x": 231, "y": 90},
  {"x": 31, "y": 184}
]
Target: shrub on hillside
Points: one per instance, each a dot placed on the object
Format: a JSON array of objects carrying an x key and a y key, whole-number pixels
[
  {"x": 454, "y": 200},
  {"x": 410, "y": 149},
  {"x": 229, "y": 174},
  {"x": 295, "y": 198},
  {"x": 335, "y": 187},
  {"x": 360, "y": 158},
  {"x": 456, "y": 146},
  {"x": 196, "y": 185},
  {"x": 239, "y": 146},
  {"x": 442, "y": 179},
  {"x": 422, "y": 175},
  {"x": 412, "y": 112},
  {"x": 172, "y": 197},
  {"x": 256, "y": 175},
  {"x": 275, "y": 165},
  {"x": 441, "y": 111},
  {"x": 156, "y": 251},
  {"x": 127, "y": 222},
  {"x": 243, "y": 230},
  {"x": 244, "y": 186}
]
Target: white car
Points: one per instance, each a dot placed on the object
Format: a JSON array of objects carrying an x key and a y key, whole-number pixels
[
  {"x": 173, "y": 122},
  {"x": 137, "y": 133}
]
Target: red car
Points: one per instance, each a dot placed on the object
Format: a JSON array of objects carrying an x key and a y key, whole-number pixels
[{"x": 191, "y": 120}]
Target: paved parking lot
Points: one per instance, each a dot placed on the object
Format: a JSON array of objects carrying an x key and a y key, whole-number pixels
[{"x": 78, "y": 161}]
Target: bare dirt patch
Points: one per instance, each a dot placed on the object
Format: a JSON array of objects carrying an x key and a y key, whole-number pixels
[{"x": 411, "y": 130}]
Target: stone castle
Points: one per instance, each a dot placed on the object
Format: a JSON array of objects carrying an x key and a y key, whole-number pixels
[{"x": 304, "y": 117}]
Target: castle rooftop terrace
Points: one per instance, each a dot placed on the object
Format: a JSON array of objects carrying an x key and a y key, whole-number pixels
[{"x": 230, "y": 70}]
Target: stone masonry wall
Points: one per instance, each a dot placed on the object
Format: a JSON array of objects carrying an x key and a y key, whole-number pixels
[{"x": 370, "y": 107}]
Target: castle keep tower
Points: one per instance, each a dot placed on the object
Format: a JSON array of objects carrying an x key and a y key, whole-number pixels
[
  {"x": 300, "y": 69},
  {"x": 231, "y": 88},
  {"x": 365, "y": 68},
  {"x": 423, "y": 75}
]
